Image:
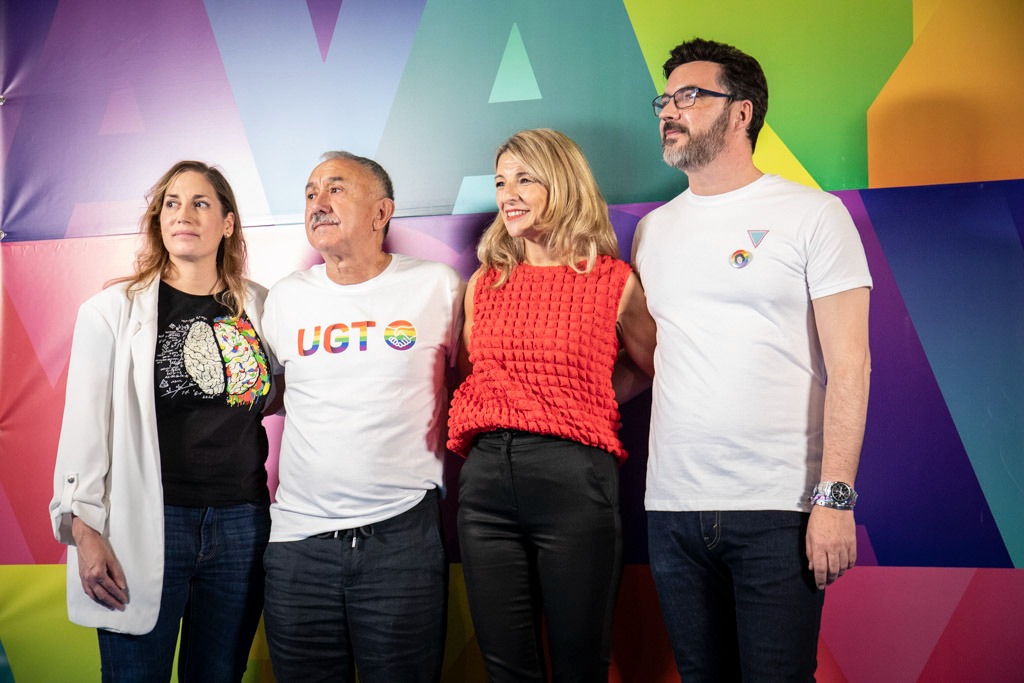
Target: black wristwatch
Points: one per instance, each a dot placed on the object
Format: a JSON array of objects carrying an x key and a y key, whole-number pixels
[{"x": 837, "y": 495}]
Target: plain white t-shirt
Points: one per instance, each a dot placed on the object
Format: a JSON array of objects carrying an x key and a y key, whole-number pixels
[{"x": 739, "y": 389}]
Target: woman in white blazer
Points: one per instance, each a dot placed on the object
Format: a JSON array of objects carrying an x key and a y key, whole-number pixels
[{"x": 160, "y": 486}]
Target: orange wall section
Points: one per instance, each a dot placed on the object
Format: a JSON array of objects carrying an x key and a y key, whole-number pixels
[{"x": 951, "y": 112}]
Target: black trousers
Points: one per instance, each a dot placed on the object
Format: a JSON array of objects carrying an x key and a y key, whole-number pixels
[
  {"x": 372, "y": 599},
  {"x": 540, "y": 534}
]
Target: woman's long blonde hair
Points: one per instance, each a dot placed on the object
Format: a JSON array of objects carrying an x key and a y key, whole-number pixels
[
  {"x": 152, "y": 259},
  {"x": 575, "y": 218}
]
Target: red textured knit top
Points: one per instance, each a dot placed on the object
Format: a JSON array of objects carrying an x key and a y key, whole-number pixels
[{"x": 543, "y": 347}]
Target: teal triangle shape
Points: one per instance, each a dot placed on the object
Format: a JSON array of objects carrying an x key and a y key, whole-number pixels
[
  {"x": 756, "y": 236},
  {"x": 476, "y": 195},
  {"x": 627, "y": 173},
  {"x": 515, "y": 81}
]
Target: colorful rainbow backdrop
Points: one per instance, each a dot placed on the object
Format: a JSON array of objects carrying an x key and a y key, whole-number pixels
[{"x": 907, "y": 109}]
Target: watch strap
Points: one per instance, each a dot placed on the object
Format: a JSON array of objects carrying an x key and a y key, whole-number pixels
[{"x": 837, "y": 495}]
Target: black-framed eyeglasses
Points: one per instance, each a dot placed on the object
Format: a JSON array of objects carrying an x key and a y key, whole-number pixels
[{"x": 685, "y": 97}]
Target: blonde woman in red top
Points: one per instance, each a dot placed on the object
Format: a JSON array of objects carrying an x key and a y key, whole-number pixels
[{"x": 546, "y": 316}]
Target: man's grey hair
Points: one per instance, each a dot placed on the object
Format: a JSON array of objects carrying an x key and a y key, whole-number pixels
[{"x": 369, "y": 164}]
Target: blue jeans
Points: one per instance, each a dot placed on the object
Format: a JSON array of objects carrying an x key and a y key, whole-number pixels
[
  {"x": 736, "y": 594},
  {"x": 374, "y": 598},
  {"x": 213, "y": 590},
  {"x": 540, "y": 533}
]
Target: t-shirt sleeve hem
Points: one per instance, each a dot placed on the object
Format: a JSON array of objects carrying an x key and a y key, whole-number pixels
[{"x": 843, "y": 286}]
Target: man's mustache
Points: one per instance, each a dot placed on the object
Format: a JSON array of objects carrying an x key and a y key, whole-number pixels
[
  {"x": 672, "y": 125},
  {"x": 322, "y": 217}
]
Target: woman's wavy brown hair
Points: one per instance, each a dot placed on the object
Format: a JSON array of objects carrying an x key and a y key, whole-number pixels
[{"x": 152, "y": 259}]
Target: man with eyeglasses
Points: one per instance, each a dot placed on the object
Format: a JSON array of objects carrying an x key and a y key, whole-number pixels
[{"x": 759, "y": 287}]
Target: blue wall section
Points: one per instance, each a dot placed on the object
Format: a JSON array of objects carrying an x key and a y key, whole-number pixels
[{"x": 957, "y": 259}]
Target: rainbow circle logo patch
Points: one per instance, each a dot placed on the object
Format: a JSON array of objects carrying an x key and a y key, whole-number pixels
[
  {"x": 400, "y": 335},
  {"x": 740, "y": 258}
]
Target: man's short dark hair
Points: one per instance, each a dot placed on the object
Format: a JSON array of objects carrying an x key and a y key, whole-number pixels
[
  {"x": 370, "y": 165},
  {"x": 741, "y": 76}
]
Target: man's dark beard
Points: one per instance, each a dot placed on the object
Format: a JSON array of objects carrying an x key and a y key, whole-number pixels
[{"x": 700, "y": 150}]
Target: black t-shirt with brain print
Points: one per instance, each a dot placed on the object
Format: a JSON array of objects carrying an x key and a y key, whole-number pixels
[{"x": 212, "y": 380}]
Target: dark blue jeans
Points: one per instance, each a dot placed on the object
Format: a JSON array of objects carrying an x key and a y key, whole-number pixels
[
  {"x": 540, "y": 534},
  {"x": 374, "y": 598},
  {"x": 737, "y": 598},
  {"x": 213, "y": 590}
]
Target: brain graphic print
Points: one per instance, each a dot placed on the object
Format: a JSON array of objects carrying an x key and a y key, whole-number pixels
[
  {"x": 202, "y": 359},
  {"x": 243, "y": 370}
]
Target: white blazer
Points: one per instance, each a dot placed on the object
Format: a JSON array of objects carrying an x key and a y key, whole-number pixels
[{"x": 108, "y": 459}]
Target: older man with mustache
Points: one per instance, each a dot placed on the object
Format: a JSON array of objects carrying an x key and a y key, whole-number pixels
[{"x": 356, "y": 567}]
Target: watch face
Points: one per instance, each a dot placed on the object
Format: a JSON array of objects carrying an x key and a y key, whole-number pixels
[{"x": 841, "y": 492}]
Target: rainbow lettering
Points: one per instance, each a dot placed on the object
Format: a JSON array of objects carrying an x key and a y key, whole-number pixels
[
  {"x": 399, "y": 335},
  {"x": 336, "y": 345},
  {"x": 316, "y": 342},
  {"x": 362, "y": 327}
]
